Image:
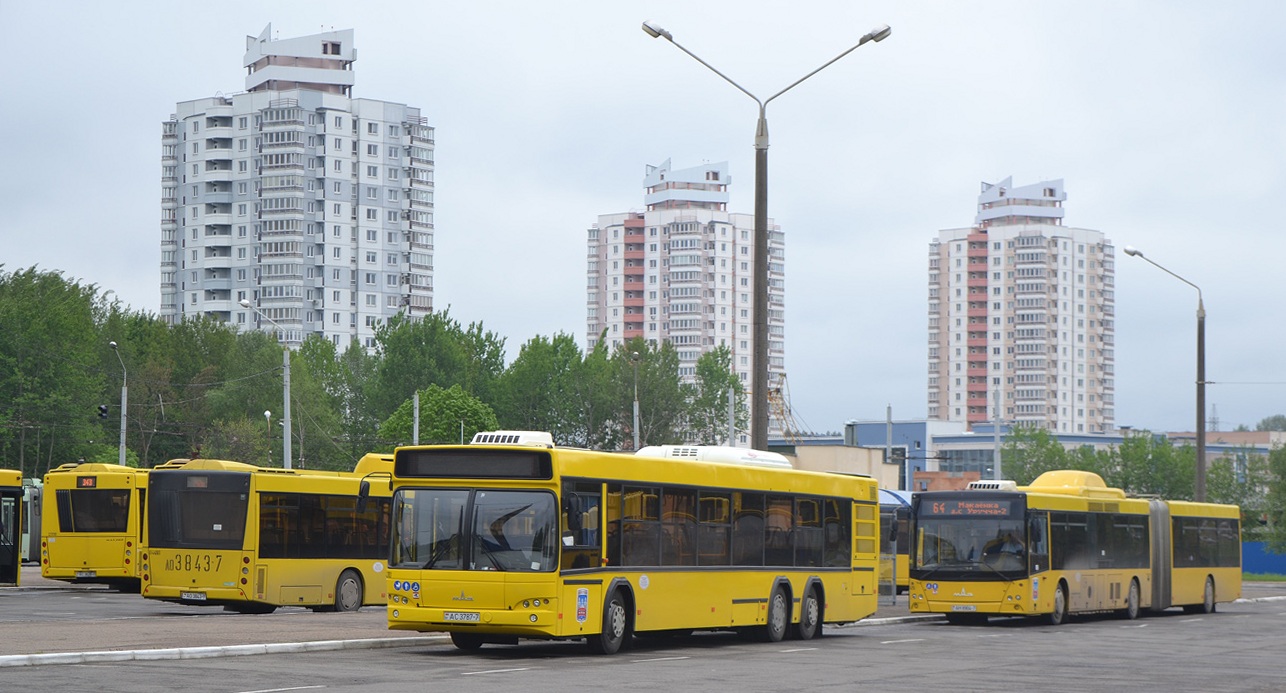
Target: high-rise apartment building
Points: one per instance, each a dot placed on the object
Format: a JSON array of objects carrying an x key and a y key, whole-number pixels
[
  {"x": 315, "y": 206},
  {"x": 1022, "y": 316},
  {"x": 682, "y": 270}
]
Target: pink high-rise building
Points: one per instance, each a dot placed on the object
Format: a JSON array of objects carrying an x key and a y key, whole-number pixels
[{"x": 1022, "y": 316}]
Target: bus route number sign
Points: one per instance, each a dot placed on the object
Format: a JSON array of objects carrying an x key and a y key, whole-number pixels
[{"x": 970, "y": 508}]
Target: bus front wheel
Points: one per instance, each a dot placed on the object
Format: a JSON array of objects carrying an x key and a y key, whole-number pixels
[
  {"x": 1059, "y": 615},
  {"x": 466, "y": 641},
  {"x": 615, "y": 627},
  {"x": 348, "y": 591}
]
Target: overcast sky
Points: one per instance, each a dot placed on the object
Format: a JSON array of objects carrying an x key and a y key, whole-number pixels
[{"x": 1165, "y": 119}]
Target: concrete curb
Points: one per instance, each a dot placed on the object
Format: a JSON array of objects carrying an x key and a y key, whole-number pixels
[{"x": 208, "y": 652}]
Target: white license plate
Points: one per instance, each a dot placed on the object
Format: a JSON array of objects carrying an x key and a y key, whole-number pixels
[
  {"x": 964, "y": 607},
  {"x": 86, "y": 573},
  {"x": 192, "y": 596},
  {"x": 466, "y": 616}
]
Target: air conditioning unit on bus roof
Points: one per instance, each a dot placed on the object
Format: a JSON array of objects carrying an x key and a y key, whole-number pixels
[
  {"x": 1000, "y": 485},
  {"x": 537, "y": 438},
  {"x": 713, "y": 453}
]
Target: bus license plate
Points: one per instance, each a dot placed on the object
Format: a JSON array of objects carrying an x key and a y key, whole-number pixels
[
  {"x": 192, "y": 596},
  {"x": 86, "y": 573},
  {"x": 964, "y": 607},
  {"x": 466, "y": 616}
]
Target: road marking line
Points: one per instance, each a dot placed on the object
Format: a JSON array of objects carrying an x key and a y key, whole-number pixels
[
  {"x": 895, "y": 642},
  {"x": 493, "y": 671},
  {"x": 659, "y": 659},
  {"x": 278, "y": 690},
  {"x": 801, "y": 649}
]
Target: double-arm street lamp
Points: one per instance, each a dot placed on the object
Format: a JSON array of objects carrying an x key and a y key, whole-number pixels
[
  {"x": 1200, "y": 484},
  {"x": 759, "y": 374},
  {"x": 124, "y": 399},
  {"x": 285, "y": 385}
]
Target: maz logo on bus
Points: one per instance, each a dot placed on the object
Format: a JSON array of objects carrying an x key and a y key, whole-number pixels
[{"x": 193, "y": 562}]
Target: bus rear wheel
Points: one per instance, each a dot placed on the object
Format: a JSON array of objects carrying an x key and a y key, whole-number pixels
[
  {"x": 348, "y": 591},
  {"x": 810, "y": 616},
  {"x": 1207, "y": 605},
  {"x": 1131, "y": 610},
  {"x": 778, "y": 617}
]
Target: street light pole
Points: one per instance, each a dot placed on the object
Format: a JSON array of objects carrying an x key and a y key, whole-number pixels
[
  {"x": 759, "y": 374},
  {"x": 285, "y": 384},
  {"x": 1200, "y": 483},
  {"x": 124, "y": 400},
  {"x": 635, "y": 358}
]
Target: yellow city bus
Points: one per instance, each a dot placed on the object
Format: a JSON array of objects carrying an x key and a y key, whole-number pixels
[
  {"x": 252, "y": 539},
  {"x": 10, "y": 526},
  {"x": 510, "y": 537},
  {"x": 1068, "y": 544},
  {"x": 90, "y": 526}
]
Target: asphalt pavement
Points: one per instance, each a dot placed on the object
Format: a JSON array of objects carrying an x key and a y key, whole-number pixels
[{"x": 204, "y": 632}]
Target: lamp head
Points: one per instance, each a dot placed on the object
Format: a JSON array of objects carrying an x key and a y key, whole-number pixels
[
  {"x": 656, "y": 32},
  {"x": 1131, "y": 250},
  {"x": 267, "y": 414},
  {"x": 112, "y": 344},
  {"x": 245, "y": 303},
  {"x": 878, "y": 34},
  {"x": 634, "y": 357}
]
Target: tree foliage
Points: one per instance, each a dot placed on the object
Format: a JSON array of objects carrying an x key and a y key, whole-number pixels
[{"x": 446, "y": 416}]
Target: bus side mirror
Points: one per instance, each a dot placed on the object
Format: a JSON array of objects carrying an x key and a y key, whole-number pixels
[{"x": 363, "y": 495}]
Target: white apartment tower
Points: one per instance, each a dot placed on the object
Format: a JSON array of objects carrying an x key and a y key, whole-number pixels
[
  {"x": 1022, "y": 315},
  {"x": 315, "y": 206},
  {"x": 683, "y": 271}
]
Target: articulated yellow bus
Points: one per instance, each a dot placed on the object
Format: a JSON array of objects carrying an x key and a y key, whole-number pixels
[
  {"x": 510, "y": 537},
  {"x": 10, "y": 526},
  {"x": 1068, "y": 544},
  {"x": 91, "y": 523},
  {"x": 252, "y": 539}
]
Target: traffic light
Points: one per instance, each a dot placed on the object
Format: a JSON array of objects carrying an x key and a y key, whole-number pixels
[{"x": 102, "y": 411}]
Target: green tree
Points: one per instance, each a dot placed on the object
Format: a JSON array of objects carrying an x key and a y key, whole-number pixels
[
  {"x": 446, "y": 416},
  {"x": 1275, "y": 503},
  {"x": 595, "y": 421},
  {"x": 1151, "y": 465},
  {"x": 1030, "y": 451},
  {"x": 538, "y": 391},
  {"x": 708, "y": 412},
  {"x": 243, "y": 440},
  {"x": 663, "y": 398},
  {"x": 52, "y": 375},
  {"x": 433, "y": 350},
  {"x": 1276, "y": 422}
]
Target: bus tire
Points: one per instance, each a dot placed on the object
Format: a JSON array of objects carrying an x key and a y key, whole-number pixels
[
  {"x": 1207, "y": 605},
  {"x": 348, "y": 591},
  {"x": 616, "y": 626},
  {"x": 810, "y": 616},
  {"x": 778, "y": 616},
  {"x": 1059, "y": 615},
  {"x": 466, "y": 641},
  {"x": 1131, "y": 610}
]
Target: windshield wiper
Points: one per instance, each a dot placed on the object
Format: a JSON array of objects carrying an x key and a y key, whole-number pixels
[{"x": 439, "y": 550}]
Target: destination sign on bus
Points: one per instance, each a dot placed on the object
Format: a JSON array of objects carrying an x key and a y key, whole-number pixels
[
  {"x": 86, "y": 482},
  {"x": 968, "y": 507}
]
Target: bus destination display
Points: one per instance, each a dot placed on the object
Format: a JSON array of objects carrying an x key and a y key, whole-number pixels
[{"x": 968, "y": 507}]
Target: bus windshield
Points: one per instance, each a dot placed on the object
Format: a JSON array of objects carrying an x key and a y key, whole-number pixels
[{"x": 483, "y": 529}]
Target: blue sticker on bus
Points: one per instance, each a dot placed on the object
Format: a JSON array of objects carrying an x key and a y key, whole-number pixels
[
  {"x": 397, "y": 585},
  {"x": 582, "y": 605},
  {"x": 415, "y": 587}
]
